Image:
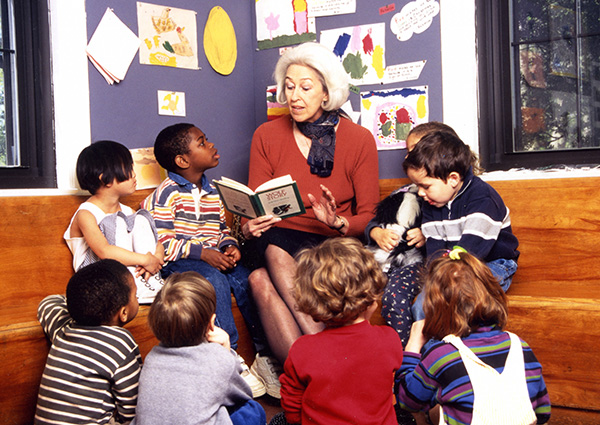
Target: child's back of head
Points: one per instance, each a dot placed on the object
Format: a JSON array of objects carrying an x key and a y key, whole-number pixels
[
  {"x": 461, "y": 294},
  {"x": 337, "y": 280},
  {"x": 171, "y": 142},
  {"x": 95, "y": 293},
  {"x": 181, "y": 313},
  {"x": 439, "y": 154},
  {"x": 101, "y": 163}
]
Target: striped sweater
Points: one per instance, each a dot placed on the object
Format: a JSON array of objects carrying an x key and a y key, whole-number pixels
[
  {"x": 187, "y": 219},
  {"x": 91, "y": 372},
  {"x": 440, "y": 377}
]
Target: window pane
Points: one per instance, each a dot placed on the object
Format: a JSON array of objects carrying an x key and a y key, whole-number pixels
[{"x": 556, "y": 83}]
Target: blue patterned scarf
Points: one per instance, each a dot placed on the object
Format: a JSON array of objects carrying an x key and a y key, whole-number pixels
[{"x": 322, "y": 134}]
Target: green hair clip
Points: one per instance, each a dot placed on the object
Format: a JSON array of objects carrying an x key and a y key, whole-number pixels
[{"x": 455, "y": 253}]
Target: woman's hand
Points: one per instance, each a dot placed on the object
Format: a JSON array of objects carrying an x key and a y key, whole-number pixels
[
  {"x": 257, "y": 226},
  {"x": 324, "y": 209}
]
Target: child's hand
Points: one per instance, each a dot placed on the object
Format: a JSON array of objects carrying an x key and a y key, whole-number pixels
[
  {"x": 414, "y": 237},
  {"x": 416, "y": 340},
  {"x": 233, "y": 252},
  {"x": 386, "y": 239},
  {"x": 217, "y": 259},
  {"x": 218, "y": 336}
]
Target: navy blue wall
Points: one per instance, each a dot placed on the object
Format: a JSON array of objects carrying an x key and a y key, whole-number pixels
[{"x": 229, "y": 108}]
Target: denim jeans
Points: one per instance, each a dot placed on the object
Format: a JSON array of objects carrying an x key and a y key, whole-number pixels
[
  {"x": 502, "y": 269},
  {"x": 225, "y": 283}
]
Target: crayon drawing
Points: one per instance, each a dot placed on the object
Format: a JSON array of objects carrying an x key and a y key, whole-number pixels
[
  {"x": 283, "y": 23},
  {"x": 391, "y": 114},
  {"x": 147, "y": 171},
  {"x": 168, "y": 35},
  {"x": 361, "y": 50},
  {"x": 274, "y": 108}
]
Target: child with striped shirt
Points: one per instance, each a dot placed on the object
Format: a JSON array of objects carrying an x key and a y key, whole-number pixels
[
  {"x": 92, "y": 371},
  {"x": 476, "y": 372},
  {"x": 190, "y": 220}
]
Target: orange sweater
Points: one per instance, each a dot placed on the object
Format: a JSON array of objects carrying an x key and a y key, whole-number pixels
[{"x": 354, "y": 181}]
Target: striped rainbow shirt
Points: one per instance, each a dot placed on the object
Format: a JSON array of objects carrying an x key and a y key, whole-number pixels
[
  {"x": 188, "y": 219},
  {"x": 440, "y": 377}
]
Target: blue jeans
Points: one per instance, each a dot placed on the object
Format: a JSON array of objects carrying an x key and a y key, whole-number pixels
[
  {"x": 502, "y": 269},
  {"x": 248, "y": 413},
  {"x": 225, "y": 283}
]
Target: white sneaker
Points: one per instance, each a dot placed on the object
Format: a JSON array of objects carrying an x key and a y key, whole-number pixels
[
  {"x": 147, "y": 289},
  {"x": 268, "y": 369},
  {"x": 255, "y": 384}
]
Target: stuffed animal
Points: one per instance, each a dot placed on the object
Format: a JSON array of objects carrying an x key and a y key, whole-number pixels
[{"x": 399, "y": 212}]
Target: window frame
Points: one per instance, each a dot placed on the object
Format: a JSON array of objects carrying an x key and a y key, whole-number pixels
[
  {"x": 34, "y": 99},
  {"x": 496, "y": 117}
]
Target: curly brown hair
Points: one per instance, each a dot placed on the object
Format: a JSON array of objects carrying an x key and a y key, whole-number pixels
[
  {"x": 460, "y": 296},
  {"x": 337, "y": 280}
]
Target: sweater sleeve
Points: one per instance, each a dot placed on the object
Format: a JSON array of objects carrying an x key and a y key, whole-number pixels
[
  {"x": 292, "y": 391},
  {"x": 53, "y": 315},
  {"x": 414, "y": 388}
]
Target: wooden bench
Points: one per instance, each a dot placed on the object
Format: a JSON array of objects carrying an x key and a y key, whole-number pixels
[{"x": 554, "y": 300}]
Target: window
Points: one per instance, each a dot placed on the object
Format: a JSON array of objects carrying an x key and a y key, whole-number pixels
[
  {"x": 539, "y": 68},
  {"x": 26, "y": 131}
]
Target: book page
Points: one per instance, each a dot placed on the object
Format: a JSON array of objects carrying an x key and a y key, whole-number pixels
[
  {"x": 234, "y": 185},
  {"x": 276, "y": 182},
  {"x": 237, "y": 202}
]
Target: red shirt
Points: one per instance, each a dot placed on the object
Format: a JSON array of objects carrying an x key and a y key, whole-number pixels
[{"x": 342, "y": 376}]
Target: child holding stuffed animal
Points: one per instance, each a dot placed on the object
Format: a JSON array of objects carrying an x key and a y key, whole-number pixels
[
  {"x": 476, "y": 372},
  {"x": 395, "y": 238}
]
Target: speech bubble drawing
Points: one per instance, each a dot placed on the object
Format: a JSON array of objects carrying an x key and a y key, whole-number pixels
[{"x": 415, "y": 17}]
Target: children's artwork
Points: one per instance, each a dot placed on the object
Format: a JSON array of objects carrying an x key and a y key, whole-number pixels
[
  {"x": 274, "y": 108},
  {"x": 171, "y": 103},
  {"x": 283, "y": 23},
  {"x": 330, "y": 7},
  {"x": 391, "y": 114},
  {"x": 147, "y": 171},
  {"x": 403, "y": 72},
  {"x": 112, "y": 47},
  {"x": 220, "y": 44},
  {"x": 169, "y": 36},
  {"x": 415, "y": 17},
  {"x": 361, "y": 50}
]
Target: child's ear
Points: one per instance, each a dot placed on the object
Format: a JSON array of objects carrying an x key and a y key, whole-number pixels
[
  {"x": 123, "y": 315},
  {"x": 182, "y": 162},
  {"x": 454, "y": 179}
]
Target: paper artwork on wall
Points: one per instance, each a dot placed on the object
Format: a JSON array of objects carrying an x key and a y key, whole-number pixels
[
  {"x": 220, "y": 44},
  {"x": 283, "y": 23},
  {"x": 391, "y": 114},
  {"x": 112, "y": 47},
  {"x": 147, "y": 171},
  {"x": 171, "y": 103},
  {"x": 403, "y": 72},
  {"x": 414, "y": 17},
  {"x": 169, "y": 36},
  {"x": 274, "y": 108},
  {"x": 361, "y": 49},
  {"x": 330, "y": 7}
]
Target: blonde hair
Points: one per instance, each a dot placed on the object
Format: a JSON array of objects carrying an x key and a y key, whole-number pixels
[
  {"x": 337, "y": 280},
  {"x": 460, "y": 296},
  {"x": 182, "y": 310},
  {"x": 326, "y": 64}
]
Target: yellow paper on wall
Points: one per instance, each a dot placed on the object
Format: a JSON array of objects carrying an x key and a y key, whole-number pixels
[{"x": 220, "y": 45}]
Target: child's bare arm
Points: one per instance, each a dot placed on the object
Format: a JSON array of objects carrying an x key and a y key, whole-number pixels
[
  {"x": 85, "y": 225},
  {"x": 417, "y": 340},
  {"x": 386, "y": 239}
]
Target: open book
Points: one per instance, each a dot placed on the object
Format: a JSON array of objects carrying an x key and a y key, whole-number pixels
[{"x": 279, "y": 197}]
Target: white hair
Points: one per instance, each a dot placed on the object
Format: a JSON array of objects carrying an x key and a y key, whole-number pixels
[{"x": 327, "y": 65}]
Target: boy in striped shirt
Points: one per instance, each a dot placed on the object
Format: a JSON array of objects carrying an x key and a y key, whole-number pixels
[
  {"x": 190, "y": 220},
  {"x": 92, "y": 371}
]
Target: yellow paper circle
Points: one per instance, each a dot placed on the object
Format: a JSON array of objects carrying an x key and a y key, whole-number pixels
[{"x": 220, "y": 45}]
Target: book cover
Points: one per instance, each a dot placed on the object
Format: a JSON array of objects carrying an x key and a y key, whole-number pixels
[{"x": 279, "y": 197}]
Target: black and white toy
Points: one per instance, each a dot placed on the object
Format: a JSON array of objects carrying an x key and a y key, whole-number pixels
[{"x": 399, "y": 212}]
